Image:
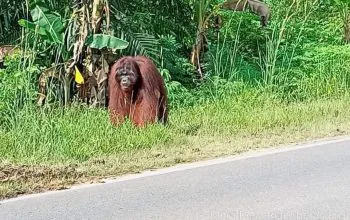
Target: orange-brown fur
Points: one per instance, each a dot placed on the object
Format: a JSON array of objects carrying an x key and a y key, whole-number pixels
[{"x": 146, "y": 103}]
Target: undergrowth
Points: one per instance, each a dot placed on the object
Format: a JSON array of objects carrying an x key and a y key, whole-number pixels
[{"x": 79, "y": 134}]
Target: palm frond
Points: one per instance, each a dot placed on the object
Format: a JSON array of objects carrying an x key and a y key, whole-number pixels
[
  {"x": 140, "y": 44},
  {"x": 144, "y": 44}
]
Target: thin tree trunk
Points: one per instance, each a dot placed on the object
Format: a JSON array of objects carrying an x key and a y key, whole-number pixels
[{"x": 347, "y": 28}]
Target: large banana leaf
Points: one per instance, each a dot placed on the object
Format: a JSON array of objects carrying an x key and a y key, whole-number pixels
[
  {"x": 47, "y": 24},
  {"x": 100, "y": 41}
]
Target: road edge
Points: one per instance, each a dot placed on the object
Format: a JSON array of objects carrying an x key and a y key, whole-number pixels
[{"x": 192, "y": 165}]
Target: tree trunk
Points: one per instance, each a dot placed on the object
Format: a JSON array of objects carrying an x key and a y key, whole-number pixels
[{"x": 196, "y": 54}]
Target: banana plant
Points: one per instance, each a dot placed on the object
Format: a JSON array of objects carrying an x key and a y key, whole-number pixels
[
  {"x": 93, "y": 43},
  {"x": 202, "y": 16},
  {"x": 85, "y": 46}
]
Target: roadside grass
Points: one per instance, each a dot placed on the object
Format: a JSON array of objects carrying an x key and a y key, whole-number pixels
[{"x": 55, "y": 148}]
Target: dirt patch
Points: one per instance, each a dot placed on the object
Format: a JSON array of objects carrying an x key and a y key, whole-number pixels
[{"x": 20, "y": 179}]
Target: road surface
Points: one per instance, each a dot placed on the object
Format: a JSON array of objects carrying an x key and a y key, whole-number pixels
[{"x": 307, "y": 182}]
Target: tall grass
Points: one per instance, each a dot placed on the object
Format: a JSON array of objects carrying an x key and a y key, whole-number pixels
[{"x": 79, "y": 134}]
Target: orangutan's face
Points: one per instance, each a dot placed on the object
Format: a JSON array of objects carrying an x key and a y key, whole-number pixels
[{"x": 127, "y": 76}]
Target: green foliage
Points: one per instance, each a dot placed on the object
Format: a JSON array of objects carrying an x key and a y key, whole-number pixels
[
  {"x": 156, "y": 17},
  {"x": 141, "y": 44},
  {"x": 53, "y": 29},
  {"x": 10, "y": 12},
  {"x": 17, "y": 90},
  {"x": 180, "y": 68},
  {"x": 48, "y": 25},
  {"x": 100, "y": 41}
]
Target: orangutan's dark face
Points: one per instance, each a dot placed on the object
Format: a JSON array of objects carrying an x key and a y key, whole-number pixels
[{"x": 127, "y": 76}]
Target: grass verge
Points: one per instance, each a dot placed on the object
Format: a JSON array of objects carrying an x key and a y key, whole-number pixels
[{"x": 53, "y": 149}]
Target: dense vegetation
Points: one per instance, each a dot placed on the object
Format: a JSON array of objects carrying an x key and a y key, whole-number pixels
[{"x": 283, "y": 77}]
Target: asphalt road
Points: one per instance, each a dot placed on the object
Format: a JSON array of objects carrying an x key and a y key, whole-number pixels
[{"x": 308, "y": 182}]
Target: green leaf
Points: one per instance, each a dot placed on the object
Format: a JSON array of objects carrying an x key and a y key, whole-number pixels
[
  {"x": 31, "y": 26},
  {"x": 51, "y": 22},
  {"x": 100, "y": 41},
  {"x": 48, "y": 25}
]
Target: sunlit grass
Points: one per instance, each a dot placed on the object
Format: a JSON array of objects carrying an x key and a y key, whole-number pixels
[{"x": 79, "y": 134}]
